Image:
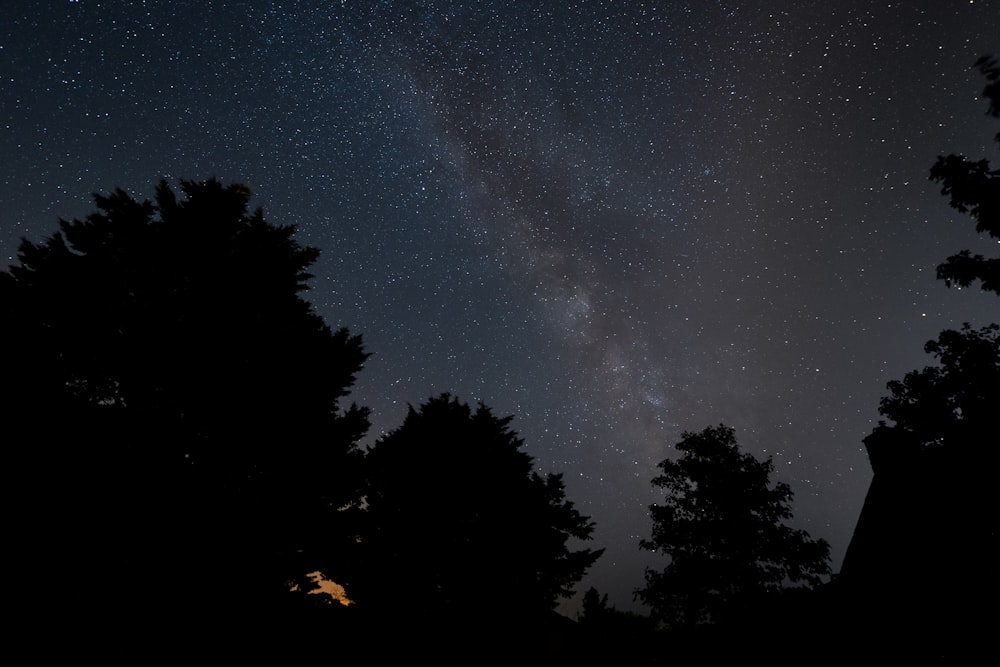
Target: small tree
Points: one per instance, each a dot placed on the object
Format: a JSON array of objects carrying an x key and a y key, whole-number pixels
[
  {"x": 594, "y": 608},
  {"x": 721, "y": 525},
  {"x": 460, "y": 524}
]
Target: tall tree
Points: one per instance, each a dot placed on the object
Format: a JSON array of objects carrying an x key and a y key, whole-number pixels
[
  {"x": 461, "y": 526},
  {"x": 721, "y": 524},
  {"x": 919, "y": 565},
  {"x": 178, "y": 403}
]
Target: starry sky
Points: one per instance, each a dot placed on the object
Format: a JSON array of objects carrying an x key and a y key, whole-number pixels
[{"x": 614, "y": 220}]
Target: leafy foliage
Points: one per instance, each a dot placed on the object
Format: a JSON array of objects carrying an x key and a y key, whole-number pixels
[
  {"x": 459, "y": 520},
  {"x": 721, "y": 524},
  {"x": 946, "y": 413},
  {"x": 974, "y": 188},
  {"x": 920, "y": 561},
  {"x": 184, "y": 309},
  {"x": 178, "y": 403},
  {"x": 951, "y": 405}
]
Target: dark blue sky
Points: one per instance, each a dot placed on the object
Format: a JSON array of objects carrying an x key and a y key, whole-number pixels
[{"x": 615, "y": 221}]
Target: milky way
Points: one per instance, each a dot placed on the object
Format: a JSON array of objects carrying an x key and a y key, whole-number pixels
[{"x": 615, "y": 221}]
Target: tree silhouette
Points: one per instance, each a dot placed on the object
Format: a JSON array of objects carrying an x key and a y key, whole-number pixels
[
  {"x": 178, "y": 405},
  {"x": 974, "y": 188},
  {"x": 594, "y": 607},
  {"x": 951, "y": 406},
  {"x": 462, "y": 528},
  {"x": 721, "y": 524},
  {"x": 934, "y": 462},
  {"x": 917, "y": 574},
  {"x": 608, "y": 635}
]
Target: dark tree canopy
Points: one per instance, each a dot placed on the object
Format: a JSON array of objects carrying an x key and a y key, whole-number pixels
[
  {"x": 721, "y": 524},
  {"x": 935, "y": 452},
  {"x": 918, "y": 572},
  {"x": 461, "y": 524},
  {"x": 188, "y": 311},
  {"x": 951, "y": 406},
  {"x": 177, "y": 404},
  {"x": 974, "y": 188}
]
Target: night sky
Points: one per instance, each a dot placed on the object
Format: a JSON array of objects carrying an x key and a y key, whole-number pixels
[{"x": 614, "y": 220}]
